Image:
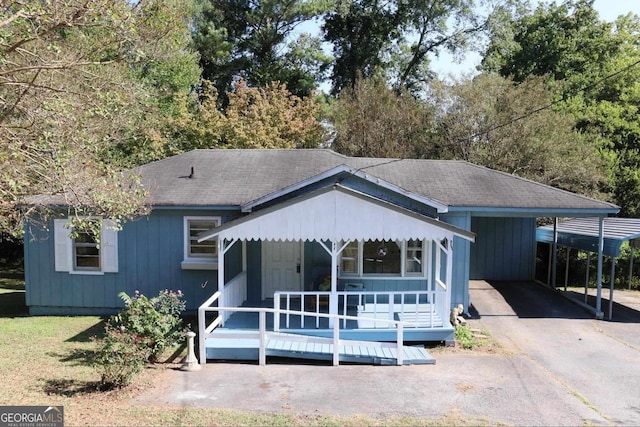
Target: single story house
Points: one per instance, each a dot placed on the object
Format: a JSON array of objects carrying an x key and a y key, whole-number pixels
[{"x": 308, "y": 230}]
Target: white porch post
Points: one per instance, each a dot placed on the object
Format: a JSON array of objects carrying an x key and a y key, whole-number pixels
[
  {"x": 222, "y": 301},
  {"x": 222, "y": 249},
  {"x": 449, "y": 272},
  {"x": 333, "y": 299},
  {"x": 244, "y": 270},
  {"x": 334, "y": 251}
]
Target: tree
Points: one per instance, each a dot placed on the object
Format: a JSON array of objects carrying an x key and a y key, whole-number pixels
[
  {"x": 495, "y": 122},
  {"x": 394, "y": 38},
  {"x": 268, "y": 117},
  {"x": 271, "y": 117},
  {"x": 372, "y": 120},
  {"x": 253, "y": 40},
  {"x": 76, "y": 77},
  {"x": 566, "y": 42},
  {"x": 594, "y": 67}
]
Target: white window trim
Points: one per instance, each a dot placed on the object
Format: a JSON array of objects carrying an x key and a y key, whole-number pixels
[
  {"x": 64, "y": 248},
  {"x": 403, "y": 256},
  {"x": 197, "y": 263}
]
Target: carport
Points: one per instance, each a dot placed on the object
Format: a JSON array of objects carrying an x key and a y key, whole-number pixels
[{"x": 602, "y": 236}]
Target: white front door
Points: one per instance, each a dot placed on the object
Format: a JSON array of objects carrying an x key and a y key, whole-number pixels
[{"x": 281, "y": 267}]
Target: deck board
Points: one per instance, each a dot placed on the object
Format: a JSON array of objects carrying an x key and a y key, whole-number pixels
[{"x": 308, "y": 347}]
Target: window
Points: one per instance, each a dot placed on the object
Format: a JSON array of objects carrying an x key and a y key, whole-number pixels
[
  {"x": 377, "y": 257},
  {"x": 349, "y": 262},
  {"x": 86, "y": 253},
  {"x": 200, "y": 255},
  {"x": 413, "y": 261},
  {"x": 381, "y": 257}
]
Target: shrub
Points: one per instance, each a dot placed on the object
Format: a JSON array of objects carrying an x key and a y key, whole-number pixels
[
  {"x": 156, "y": 320},
  {"x": 120, "y": 357},
  {"x": 464, "y": 336},
  {"x": 139, "y": 333}
]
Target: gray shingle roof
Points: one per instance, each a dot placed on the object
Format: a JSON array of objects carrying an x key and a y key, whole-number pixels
[{"x": 235, "y": 177}]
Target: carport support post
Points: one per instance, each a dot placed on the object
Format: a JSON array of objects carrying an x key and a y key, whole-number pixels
[
  {"x": 611, "y": 283},
  {"x": 566, "y": 269},
  {"x": 631, "y": 243},
  {"x": 586, "y": 279},
  {"x": 599, "y": 313},
  {"x": 554, "y": 255}
]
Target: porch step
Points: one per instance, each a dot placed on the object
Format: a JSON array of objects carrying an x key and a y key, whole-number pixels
[{"x": 243, "y": 345}]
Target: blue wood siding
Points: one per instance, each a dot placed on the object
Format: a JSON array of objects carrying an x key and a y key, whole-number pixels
[
  {"x": 461, "y": 259},
  {"x": 150, "y": 252},
  {"x": 504, "y": 249}
]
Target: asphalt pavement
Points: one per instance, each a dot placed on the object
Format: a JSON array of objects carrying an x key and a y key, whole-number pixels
[{"x": 555, "y": 366}]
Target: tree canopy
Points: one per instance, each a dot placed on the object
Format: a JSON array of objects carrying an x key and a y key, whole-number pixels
[
  {"x": 76, "y": 77},
  {"x": 254, "y": 40},
  {"x": 593, "y": 67},
  {"x": 92, "y": 87},
  {"x": 394, "y": 38},
  {"x": 498, "y": 123}
]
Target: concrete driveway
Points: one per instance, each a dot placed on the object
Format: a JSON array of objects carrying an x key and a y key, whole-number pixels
[
  {"x": 557, "y": 366},
  {"x": 597, "y": 361}
]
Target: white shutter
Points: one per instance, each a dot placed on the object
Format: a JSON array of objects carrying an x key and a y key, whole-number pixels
[
  {"x": 62, "y": 245},
  {"x": 109, "y": 246}
]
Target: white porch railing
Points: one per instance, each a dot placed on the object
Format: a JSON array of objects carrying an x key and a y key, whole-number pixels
[
  {"x": 206, "y": 331},
  {"x": 443, "y": 301},
  {"x": 406, "y": 303},
  {"x": 235, "y": 293}
]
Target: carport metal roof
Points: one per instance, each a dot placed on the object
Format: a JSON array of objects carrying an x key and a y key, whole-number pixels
[
  {"x": 585, "y": 234},
  {"x": 582, "y": 233}
]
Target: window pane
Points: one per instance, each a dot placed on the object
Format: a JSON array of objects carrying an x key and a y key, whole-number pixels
[
  {"x": 414, "y": 257},
  {"x": 85, "y": 237},
  {"x": 350, "y": 259},
  {"x": 86, "y": 254},
  {"x": 381, "y": 257},
  {"x": 88, "y": 262},
  {"x": 206, "y": 249}
]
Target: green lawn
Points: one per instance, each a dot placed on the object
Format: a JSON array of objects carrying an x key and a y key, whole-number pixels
[{"x": 44, "y": 361}]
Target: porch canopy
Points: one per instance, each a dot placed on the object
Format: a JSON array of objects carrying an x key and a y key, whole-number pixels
[
  {"x": 586, "y": 234},
  {"x": 333, "y": 216},
  {"x": 335, "y": 213}
]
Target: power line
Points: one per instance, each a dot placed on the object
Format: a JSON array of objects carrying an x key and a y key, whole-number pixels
[
  {"x": 549, "y": 105},
  {"x": 522, "y": 117}
]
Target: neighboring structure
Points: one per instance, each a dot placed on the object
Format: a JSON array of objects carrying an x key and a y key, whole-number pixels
[{"x": 284, "y": 220}]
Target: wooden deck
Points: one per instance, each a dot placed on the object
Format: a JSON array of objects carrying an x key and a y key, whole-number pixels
[{"x": 243, "y": 345}]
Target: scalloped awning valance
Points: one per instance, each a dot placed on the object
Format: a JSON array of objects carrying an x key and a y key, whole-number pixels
[{"x": 335, "y": 213}]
